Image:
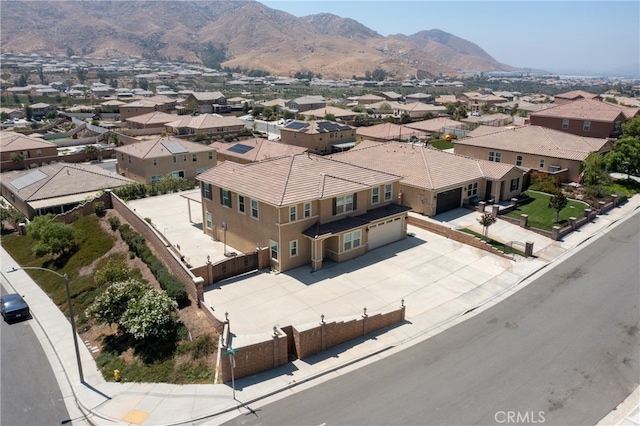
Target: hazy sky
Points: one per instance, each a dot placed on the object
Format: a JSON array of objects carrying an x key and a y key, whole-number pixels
[{"x": 558, "y": 36}]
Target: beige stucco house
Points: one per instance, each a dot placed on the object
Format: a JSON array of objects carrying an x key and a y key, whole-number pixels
[
  {"x": 305, "y": 208},
  {"x": 534, "y": 148},
  {"x": 320, "y": 137},
  {"x": 149, "y": 161},
  {"x": 435, "y": 181}
]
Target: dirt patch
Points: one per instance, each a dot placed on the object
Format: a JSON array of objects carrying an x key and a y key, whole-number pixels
[{"x": 194, "y": 318}]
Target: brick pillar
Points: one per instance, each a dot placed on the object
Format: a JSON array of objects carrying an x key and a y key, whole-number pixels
[
  {"x": 528, "y": 249},
  {"x": 480, "y": 207},
  {"x": 514, "y": 202},
  {"x": 573, "y": 220},
  {"x": 198, "y": 283},
  {"x": 601, "y": 206},
  {"x": 614, "y": 199},
  {"x": 402, "y": 310},
  {"x": 587, "y": 214},
  {"x": 276, "y": 348},
  {"x": 494, "y": 210},
  {"x": 523, "y": 220},
  {"x": 323, "y": 333},
  {"x": 555, "y": 233}
]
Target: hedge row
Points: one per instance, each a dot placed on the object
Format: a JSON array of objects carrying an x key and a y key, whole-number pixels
[{"x": 173, "y": 286}]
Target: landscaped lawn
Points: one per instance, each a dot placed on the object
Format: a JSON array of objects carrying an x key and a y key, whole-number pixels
[
  {"x": 441, "y": 144},
  {"x": 542, "y": 216}
]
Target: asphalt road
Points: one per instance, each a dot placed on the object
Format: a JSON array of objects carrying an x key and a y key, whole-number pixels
[
  {"x": 29, "y": 395},
  {"x": 565, "y": 350}
]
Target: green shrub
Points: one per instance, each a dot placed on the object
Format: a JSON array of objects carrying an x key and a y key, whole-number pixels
[
  {"x": 114, "y": 271},
  {"x": 114, "y": 222},
  {"x": 99, "y": 208}
]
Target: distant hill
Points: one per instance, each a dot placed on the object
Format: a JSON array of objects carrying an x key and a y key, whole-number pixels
[{"x": 244, "y": 34}]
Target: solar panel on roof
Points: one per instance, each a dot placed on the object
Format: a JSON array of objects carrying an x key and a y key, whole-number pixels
[
  {"x": 24, "y": 181},
  {"x": 297, "y": 125},
  {"x": 240, "y": 148},
  {"x": 175, "y": 147}
]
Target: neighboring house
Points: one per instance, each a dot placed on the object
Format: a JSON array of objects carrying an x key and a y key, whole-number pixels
[
  {"x": 585, "y": 117},
  {"x": 149, "y": 161},
  {"x": 521, "y": 107},
  {"x": 340, "y": 114},
  {"x": 384, "y": 132},
  {"x": 253, "y": 150},
  {"x": 435, "y": 125},
  {"x": 150, "y": 120},
  {"x": 534, "y": 148},
  {"x": 16, "y": 145},
  {"x": 391, "y": 96},
  {"x": 435, "y": 181},
  {"x": 574, "y": 95},
  {"x": 476, "y": 102},
  {"x": 146, "y": 106},
  {"x": 277, "y": 104},
  {"x": 41, "y": 109},
  {"x": 305, "y": 208},
  {"x": 207, "y": 102},
  {"x": 320, "y": 137},
  {"x": 424, "y": 98},
  {"x": 370, "y": 99},
  {"x": 417, "y": 109},
  {"x": 56, "y": 188},
  {"x": 305, "y": 103},
  {"x": 13, "y": 114},
  {"x": 208, "y": 124}
]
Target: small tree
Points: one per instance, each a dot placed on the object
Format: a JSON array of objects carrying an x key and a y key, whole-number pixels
[
  {"x": 625, "y": 157},
  {"x": 558, "y": 201},
  {"x": 154, "y": 315},
  {"x": 593, "y": 170},
  {"x": 486, "y": 220},
  {"x": 55, "y": 238},
  {"x": 110, "y": 306}
]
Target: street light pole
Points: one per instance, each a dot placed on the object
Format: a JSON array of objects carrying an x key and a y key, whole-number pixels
[{"x": 65, "y": 277}]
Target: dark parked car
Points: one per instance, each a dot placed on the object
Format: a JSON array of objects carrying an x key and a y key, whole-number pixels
[{"x": 13, "y": 307}]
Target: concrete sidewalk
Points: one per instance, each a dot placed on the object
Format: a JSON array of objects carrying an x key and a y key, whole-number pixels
[{"x": 431, "y": 308}]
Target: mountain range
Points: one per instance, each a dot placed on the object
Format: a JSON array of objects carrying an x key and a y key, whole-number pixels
[{"x": 236, "y": 34}]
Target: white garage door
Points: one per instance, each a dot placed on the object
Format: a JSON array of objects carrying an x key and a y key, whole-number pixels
[{"x": 385, "y": 233}]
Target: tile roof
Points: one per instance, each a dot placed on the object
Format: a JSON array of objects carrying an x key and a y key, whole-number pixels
[
  {"x": 262, "y": 149},
  {"x": 576, "y": 94},
  {"x": 588, "y": 109},
  {"x": 156, "y": 148},
  {"x": 337, "y": 112},
  {"x": 420, "y": 166},
  {"x": 434, "y": 124},
  {"x": 388, "y": 131},
  {"x": 207, "y": 96},
  {"x": 538, "y": 140},
  {"x": 12, "y": 141},
  {"x": 315, "y": 126},
  {"x": 294, "y": 179},
  {"x": 155, "y": 117},
  {"x": 60, "y": 179},
  {"x": 205, "y": 121}
]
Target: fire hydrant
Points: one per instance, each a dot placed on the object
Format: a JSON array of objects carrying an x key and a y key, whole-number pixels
[{"x": 116, "y": 375}]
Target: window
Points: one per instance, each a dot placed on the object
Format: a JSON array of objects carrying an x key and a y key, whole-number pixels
[
  {"x": 542, "y": 163},
  {"x": 39, "y": 152},
  {"x": 491, "y": 155},
  {"x": 586, "y": 126},
  {"x": 387, "y": 192},
  {"x": 184, "y": 158},
  {"x": 518, "y": 160},
  {"x": 225, "y": 197},
  {"x": 122, "y": 156},
  {"x": 375, "y": 195},
  {"x": 206, "y": 191},
  {"x": 515, "y": 184},
  {"x": 178, "y": 174},
  {"x": 273, "y": 247},
  {"x": 155, "y": 162},
  {"x": 351, "y": 240},
  {"x": 293, "y": 213},
  {"x": 210, "y": 155},
  {"x": 565, "y": 124},
  {"x": 495, "y": 156},
  {"x": 175, "y": 159},
  {"x": 344, "y": 204},
  {"x": 307, "y": 210},
  {"x": 254, "y": 209},
  {"x": 293, "y": 248},
  {"x": 155, "y": 178},
  {"x": 241, "y": 204},
  {"x": 202, "y": 170},
  {"x": 472, "y": 189},
  {"x": 127, "y": 156},
  {"x": 209, "y": 220},
  {"x": 194, "y": 157}
]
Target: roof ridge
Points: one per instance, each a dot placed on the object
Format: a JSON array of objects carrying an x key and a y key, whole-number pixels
[
  {"x": 44, "y": 182},
  {"x": 288, "y": 177}
]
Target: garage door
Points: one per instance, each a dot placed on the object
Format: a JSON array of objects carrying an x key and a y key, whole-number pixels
[
  {"x": 385, "y": 233},
  {"x": 449, "y": 200}
]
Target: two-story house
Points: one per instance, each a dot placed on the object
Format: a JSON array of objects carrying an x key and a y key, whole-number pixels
[
  {"x": 149, "y": 161},
  {"x": 41, "y": 110},
  {"x": 146, "y": 106},
  {"x": 207, "y": 102},
  {"x": 305, "y": 208},
  {"x": 585, "y": 117},
  {"x": 16, "y": 146},
  {"x": 574, "y": 95},
  {"x": 305, "y": 103},
  {"x": 320, "y": 137},
  {"x": 534, "y": 148}
]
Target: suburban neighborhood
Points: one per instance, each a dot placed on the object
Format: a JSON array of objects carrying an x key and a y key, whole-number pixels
[{"x": 220, "y": 233}]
